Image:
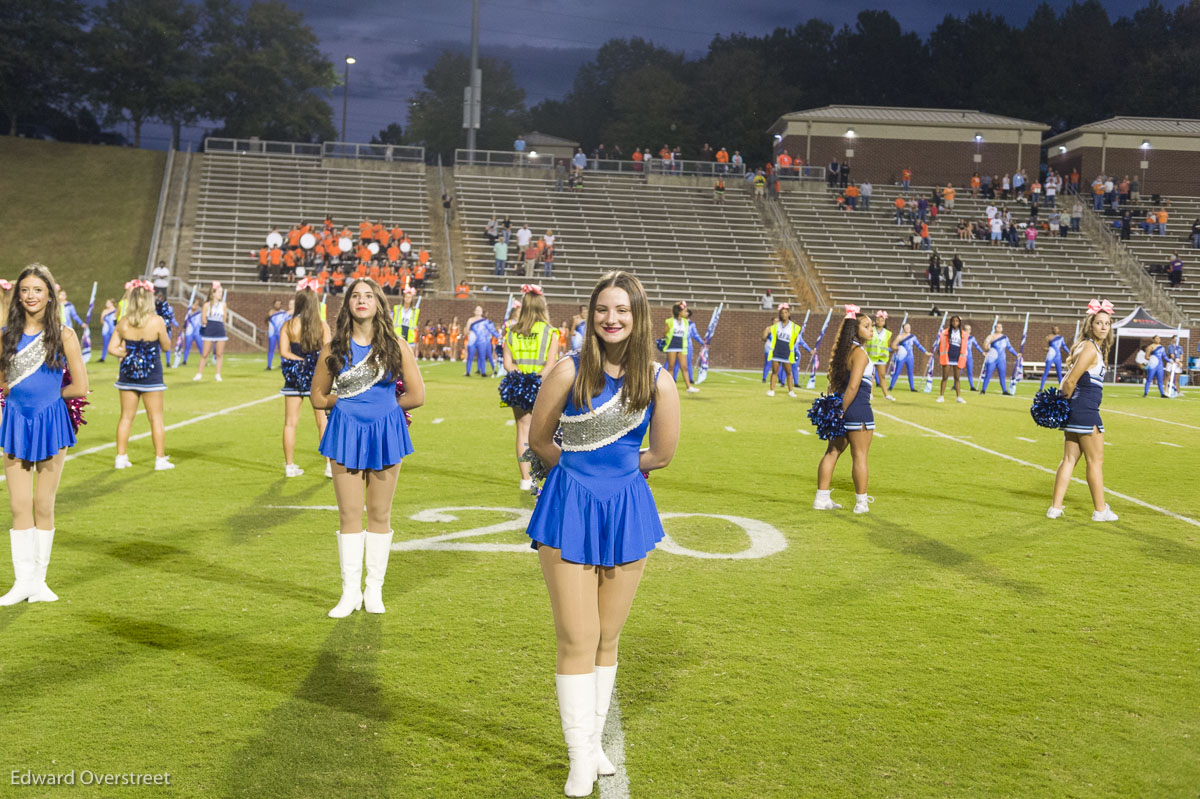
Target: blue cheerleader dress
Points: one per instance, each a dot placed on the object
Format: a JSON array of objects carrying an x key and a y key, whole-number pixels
[
  {"x": 1084, "y": 416},
  {"x": 298, "y": 375},
  {"x": 214, "y": 326},
  {"x": 859, "y": 415},
  {"x": 141, "y": 369},
  {"x": 366, "y": 427},
  {"x": 595, "y": 505},
  {"x": 35, "y": 424}
]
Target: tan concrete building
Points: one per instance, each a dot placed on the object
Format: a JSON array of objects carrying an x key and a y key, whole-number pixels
[
  {"x": 940, "y": 145},
  {"x": 549, "y": 146},
  {"x": 1164, "y": 153}
]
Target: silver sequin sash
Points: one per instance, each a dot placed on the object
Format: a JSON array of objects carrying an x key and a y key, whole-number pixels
[
  {"x": 600, "y": 426},
  {"x": 358, "y": 378},
  {"x": 28, "y": 360}
]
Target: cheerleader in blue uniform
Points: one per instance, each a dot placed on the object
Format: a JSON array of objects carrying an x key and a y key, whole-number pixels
[
  {"x": 996, "y": 363},
  {"x": 1056, "y": 345},
  {"x": 163, "y": 308},
  {"x": 301, "y": 340},
  {"x": 215, "y": 316},
  {"x": 972, "y": 348},
  {"x": 780, "y": 339},
  {"x": 1156, "y": 360},
  {"x": 1174, "y": 366},
  {"x": 36, "y": 427},
  {"x": 596, "y": 521},
  {"x": 192, "y": 324},
  {"x": 852, "y": 375},
  {"x": 953, "y": 355},
  {"x": 1084, "y": 430},
  {"x": 275, "y": 320},
  {"x": 530, "y": 350},
  {"x": 366, "y": 436},
  {"x": 139, "y": 341},
  {"x": 676, "y": 344},
  {"x": 905, "y": 346},
  {"x": 108, "y": 324},
  {"x": 480, "y": 333}
]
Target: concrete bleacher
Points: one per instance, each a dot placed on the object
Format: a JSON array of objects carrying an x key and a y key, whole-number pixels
[
  {"x": 861, "y": 260},
  {"x": 1154, "y": 249},
  {"x": 680, "y": 243},
  {"x": 240, "y": 198}
]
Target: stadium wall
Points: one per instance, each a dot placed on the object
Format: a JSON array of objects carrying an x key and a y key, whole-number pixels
[{"x": 1170, "y": 171}]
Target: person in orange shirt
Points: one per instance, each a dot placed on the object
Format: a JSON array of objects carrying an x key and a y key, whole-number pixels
[
  {"x": 722, "y": 156},
  {"x": 328, "y": 223},
  {"x": 462, "y": 291},
  {"x": 289, "y": 262},
  {"x": 784, "y": 162},
  {"x": 405, "y": 276},
  {"x": 360, "y": 272},
  {"x": 900, "y": 210},
  {"x": 852, "y": 194},
  {"x": 423, "y": 256},
  {"x": 1162, "y": 221},
  {"x": 264, "y": 254},
  {"x": 382, "y": 236},
  {"x": 637, "y": 160},
  {"x": 339, "y": 279},
  {"x": 363, "y": 253},
  {"x": 304, "y": 228},
  {"x": 397, "y": 233},
  {"x": 377, "y": 231},
  {"x": 373, "y": 272},
  {"x": 975, "y": 183},
  {"x": 443, "y": 345},
  {"x": 419, "y": 276},
  {"x": 323, "y": 279},
  {"x": 924, "y": 236},
  {"x": 393, "y": 254},
  {"x": 275, "y": 258},
  {"x": 390, "y": 280},
  {"x": 948, "y": 195},
  {"x": 293, "y": 237},
  {"x": 366, "y": 230}
]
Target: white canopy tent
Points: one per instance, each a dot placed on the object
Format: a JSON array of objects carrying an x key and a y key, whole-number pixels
[{"x": 1141, "y": 325}]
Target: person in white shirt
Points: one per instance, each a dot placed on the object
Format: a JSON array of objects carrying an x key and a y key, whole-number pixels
[
  {"x": 161, "y": 276},
  {"x": 865, "y": 189},
  {"x": 524, "y": 234}
]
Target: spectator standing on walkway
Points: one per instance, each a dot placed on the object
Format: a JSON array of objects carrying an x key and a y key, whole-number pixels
[
  {"x": 957, "y": 263},
  {"x": 905, "y": 178},
  {"x": 1135, "y": 190},
  {"x": 560, "y": 170},
  {"x": 500, "y": 251},
  {"x": 900, "y": 203},
  {"x": 1076, "y": 214},
  {"x": 934, "y": 273},
  {"x": 524, "y": 235},
  {"x": 1162, "y": 221},
  {"x": 1031, "y": 238},
  {"x": 1175, "y": 271},
  {"x": 579, "y": 161},
  {"x": 844, "y": 174},
  {"x": 865, "y": 189},
  {"x": 831, "y": 174},
  {"x": 852, "y": 194},
  {"x": 1196, "y": 233}
]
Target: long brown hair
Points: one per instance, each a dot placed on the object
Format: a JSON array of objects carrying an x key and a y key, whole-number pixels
[
  {"x": 308, "y": 313},
  {"x": 385, "y": 346},
  {"x": 638, "y": 360},
  {"x": 533, "y": 310},
  {"x": 839, "y": 364},
  {"x": 1087, "y": 334},
  {"x": 51, "y": 322}
]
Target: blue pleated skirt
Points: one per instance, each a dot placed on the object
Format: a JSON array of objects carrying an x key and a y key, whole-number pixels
[
  {"x": 859, "y": 415},
  {"x": 214, "y": 331},
  {"x": 359, "y": 437},
  {"x": 36, "y": 434}
]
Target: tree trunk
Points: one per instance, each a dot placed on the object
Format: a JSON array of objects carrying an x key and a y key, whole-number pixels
[{"x": 137, "y": 133}]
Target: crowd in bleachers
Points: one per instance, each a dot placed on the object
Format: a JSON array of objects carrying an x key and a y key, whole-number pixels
[
  {"x": 333, "y": 256},
  {"x": 516, "y": 251}
]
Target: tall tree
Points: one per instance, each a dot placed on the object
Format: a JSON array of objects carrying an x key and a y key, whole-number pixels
[
  {"x": 265, "y": 74},
  {"x": 435, "y": 114},
  {"x": 144, "y": 62},
  {"x": 392, "y": 134},
  {"x": 39, "y": 57}
]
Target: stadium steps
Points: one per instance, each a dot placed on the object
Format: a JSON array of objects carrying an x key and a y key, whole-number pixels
[
  {"x": 862, "y": 260},
  {"x": 679, "y": 243}
]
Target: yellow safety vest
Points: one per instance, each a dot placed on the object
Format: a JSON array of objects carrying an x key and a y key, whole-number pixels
[
  {"x": 397, "y": 324},
  {"x": 775, "y": 330},
  {"x": 529, "y": 353},
  {"x": 878, "y": 347}
]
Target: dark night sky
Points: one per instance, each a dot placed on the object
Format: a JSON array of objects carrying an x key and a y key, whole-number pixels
[{"x": 547, "y": 40}]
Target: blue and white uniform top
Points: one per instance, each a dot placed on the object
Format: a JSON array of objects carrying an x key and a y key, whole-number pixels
[
  {"x": 677, "y": 331},
  {"x": 367, "y": 428},
  {"x": 997, "y": 348},
  {"x": 577, "y": 335},
  {"x": 1157, "y": 356},
  {"x": 595, "y": 505},
  {"x": 276, "y": 321},
  {"x": 1058, "y": 345},
  {"x": 108, "y": 322},
  {"x": 1084, "y": 415},
  {"x": 859, "y": 415},
  {"x": 1175, "y": 356},
  {"x": 192, "y": 323},
  {"x": 35, "y": 424},
  {"x": 907, "y": 344},
  {"x": 214, "y": 325}
]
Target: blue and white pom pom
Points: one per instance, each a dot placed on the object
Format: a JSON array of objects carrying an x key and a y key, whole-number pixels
[
  {"x": 660, "y": 343},
  {"x": 298, "y": 373},
  {"x": 826, "y": 416},
  {"x": 140, "y": 359},
  {"x": 520, "y": 389},
  {"x": 1050, "y": 408}
]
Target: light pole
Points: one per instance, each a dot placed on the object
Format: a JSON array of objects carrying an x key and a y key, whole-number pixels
[
  {"x": 1145, "y": 162},
  {"x": 346, "y": 93}
]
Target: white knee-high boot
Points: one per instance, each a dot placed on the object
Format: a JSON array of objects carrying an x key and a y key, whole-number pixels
[
  {"x": 350, "y": 556},
  {"x": 378, "y": 548},
  {"x": 577, "y": 707},
  {"x": 44, "y": 541},
  {"x": 606, "y": 677},
  {"x": 24, "y": 560}
]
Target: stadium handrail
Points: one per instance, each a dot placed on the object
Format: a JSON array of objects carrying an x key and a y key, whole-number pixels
[
  {"x": 1159, "y": 303},
  {"x": 530, "y": 160},
  {"x": 691, "y": 168},
  {"x": 183, "y": 184},
  {"x": 446, "y": 226},
  {"x": 156, "y": 233},
  {"x": 181, "y": 291},
  {"x": 804, "y": 172},
  {"x": 373, "y": 152},
  {"x": 784, "y": 225},
  {"x": 256, "y": 146}
]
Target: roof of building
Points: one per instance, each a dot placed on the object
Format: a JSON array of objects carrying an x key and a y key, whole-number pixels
[
  {"x": 933, "y": 117},
  {"x": 1138, "y": 126},
  {"x": 536, "y": 137}
]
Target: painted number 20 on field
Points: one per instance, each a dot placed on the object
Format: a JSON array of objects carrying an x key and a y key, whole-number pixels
[{"x": 764, "y": 540}]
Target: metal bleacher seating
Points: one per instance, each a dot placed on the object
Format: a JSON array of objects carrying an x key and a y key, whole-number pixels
[
  {"x": 242, "y": 197},
  {"x": 680, "y": 243},
  {"x": 861, "y": 260},
  {"x": 1154, "y": 251}
]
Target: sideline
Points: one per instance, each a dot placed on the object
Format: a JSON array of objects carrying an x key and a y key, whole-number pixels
[
  {"x": 617, "y": 785},
  {"x": 1039, "y": 467},
  {"x": 1152, "y": 419},
  {"x": 201, "y": 418}
]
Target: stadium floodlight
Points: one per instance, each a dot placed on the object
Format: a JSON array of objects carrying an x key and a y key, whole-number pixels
[
  {"x": 346, "y": 91},
  {"x": 533, "y": 153},
  {"x": 1145, "y": 144},
  {"x": 850, "y": 133},
  {"x": 1062, "y": 149},
  {"x": 978, "y": 138},
  {"x": 351, "y": 59}
]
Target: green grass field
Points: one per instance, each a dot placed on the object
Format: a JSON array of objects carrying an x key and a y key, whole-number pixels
[{"x": 952, "y": 643}]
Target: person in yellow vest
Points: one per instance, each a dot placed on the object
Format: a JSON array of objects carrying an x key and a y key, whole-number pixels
[
  {"x": 879, "y": 348},
  {"x": 530, "y": 350},
  {"x": 406, "y": 315},
  {"x": 781, "y": 348},
  {"x": 676, "y": 344}
]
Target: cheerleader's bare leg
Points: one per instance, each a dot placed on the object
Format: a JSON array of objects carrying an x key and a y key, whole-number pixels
[
  {"x": 220, "y": 357},
  {"x": 153, "y": 400},
  {"x": 19, "y": 476},
  {"x": 1072, "y": 448},
  {"x": 205, "y": 352},
  {"x": 833, "y": 451},
  {"x": 523, "y": 420},
  {"x": 1092, "y": 445},
  {"x": 129, "y": 406},
  {"x": 291, "y": 418},
  {"x": 860, "y": 445}
]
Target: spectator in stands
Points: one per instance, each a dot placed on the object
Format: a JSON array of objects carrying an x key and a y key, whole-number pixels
[
  {"x": 524, "y": 236},
  {"x": 579, "y": 161},
  {"x": 736, "y": 160},
  {"x": 491, "y": 231},
  {"x": 519, "y": 144},
  {"x": 922, "y": 208},
  {"x": 844, "y": 174},
  {"x": 851, "y": 194},
  {"x": 963, "y": 230},
  {"x": 1110, "y": 193},
  {"x": 560, "y": 170},
  {"x": 1162, "y": 221},
  {"x": 934, "y": 273},
  {"x": 462, "y": 291},
  {"x": 161, "y": 276},
  {"x": 637, "y": 161},
  {"x": 1031, "y": 238},
  {"x": 500, "y": 250},
  {"x": 548, "y": 262},
  {"x": 722, "y": 159},
  {"x": 1123, "y": 189},
  {"x": 1076, "y": 214},
  {"x": 905, "y": 178},
  {"x": 418, "y": 273},
  {"x": 1150, "y": 222},
  {"x": 719, "y": 191},
  {"x": 948, "y": 195},
  {"x": 924, "y": 235},
  {"x": 1073, "y": 181},
  {"x": 976, "y": 183},
  {"x": 768, "y": 302},
  {"x": 1064, "y": 224},
  {"x": 1196, "y": 233},
  {"x": 1018, "y": 185},
  {"x": 900, "y": 203},
  {"x": 447, "y": 207},
  {"x": 995, "y": 229},
  {"x": 957, "y": 269},
  {"x": 506, "y": 229},
  {"x": 1135, "y": 190},
  {"x": 1175, "y": 271},
  {"x": 831, "y": 173},
  {"x": 1006, "y": 187},
  {"x": 529, "y": 255},
  {"x": 760, "y": 184},
  {"x": 987, "y": 186},
  {"x": 1035, "y": 192},
  {"x": 866, "y": 189}
]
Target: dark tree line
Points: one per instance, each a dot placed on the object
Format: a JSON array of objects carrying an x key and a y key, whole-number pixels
[{"x": 258, "y": 70}]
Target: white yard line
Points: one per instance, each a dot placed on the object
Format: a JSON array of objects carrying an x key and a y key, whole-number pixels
[
  {"x": 1169, "y": 444},
  {"x": 1152, "y": 418},
  {"x": 1039, "y": 467},
  {"x": 616, "y": 786},
  {"x": 202, "y": 417}
]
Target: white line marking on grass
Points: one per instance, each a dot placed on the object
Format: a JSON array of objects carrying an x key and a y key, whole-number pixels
[
  {"x": 1030, "y": 440},
  {"x": 302, "y": 507},
  {"x": 1039, "y": 467},
  {"x": 1169, "y": 444},
  {"x": 510, "y": 423},
  {"x": 616, "y": 786},
  {"x": 730, "y": 429},
  {"x": 438, "y": 420},
  {"x": 803, "y": 432},
  {"x": 1152, "y": 419},
  {"x": 880, "y": 435},
  {"x": 202, "y": 417}
]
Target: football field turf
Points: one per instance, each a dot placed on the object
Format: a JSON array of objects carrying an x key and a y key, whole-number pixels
[{"x": 952, "y": 643}]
